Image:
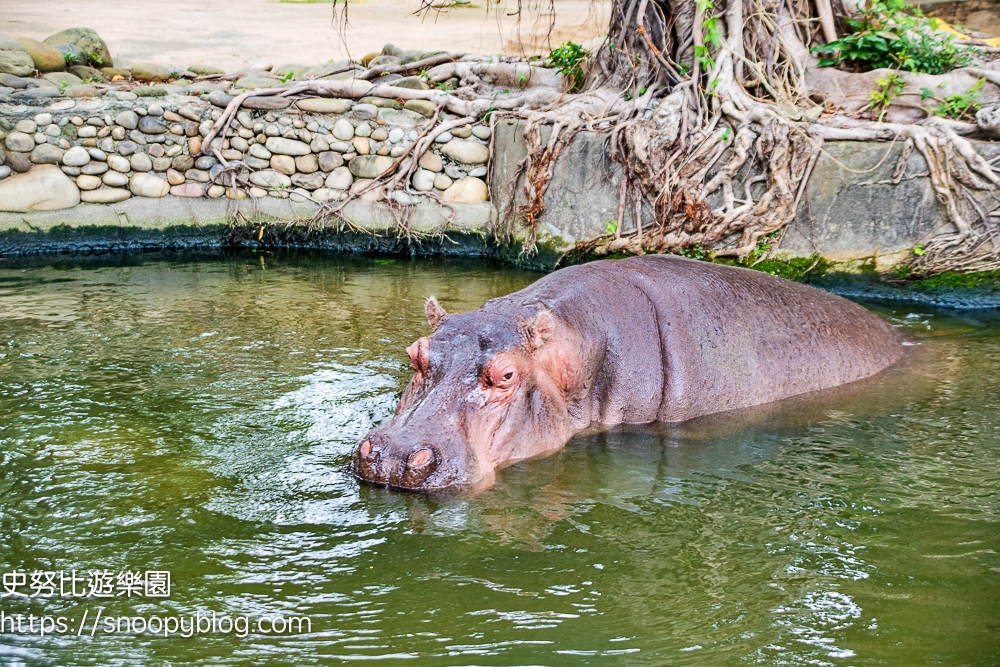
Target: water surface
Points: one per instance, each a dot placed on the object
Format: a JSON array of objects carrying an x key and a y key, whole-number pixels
[{"x": 193, "y": 415}]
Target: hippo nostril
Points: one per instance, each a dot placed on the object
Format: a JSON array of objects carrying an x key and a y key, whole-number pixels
[
  {"x": 420, "y": 458},
  {"x": 366, "y": 448}
]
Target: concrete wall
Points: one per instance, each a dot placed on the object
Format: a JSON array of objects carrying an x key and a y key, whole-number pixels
[{"x": 852, "y": 211}]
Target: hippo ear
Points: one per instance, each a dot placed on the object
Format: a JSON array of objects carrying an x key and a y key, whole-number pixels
[
  {"x": 541, "y": 328},
  {"x": 435, "y": 313}
]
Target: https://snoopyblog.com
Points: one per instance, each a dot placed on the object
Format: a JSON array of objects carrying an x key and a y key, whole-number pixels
[{"x": 126, "y": 584}]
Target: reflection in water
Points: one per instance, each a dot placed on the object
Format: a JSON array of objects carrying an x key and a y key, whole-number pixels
[{"x": 195, "y": 415}]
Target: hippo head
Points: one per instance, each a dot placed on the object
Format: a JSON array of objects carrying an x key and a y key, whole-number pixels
[{"x": 488, "y": 390}]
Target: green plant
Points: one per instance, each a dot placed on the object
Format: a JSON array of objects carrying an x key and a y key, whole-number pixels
[
  {"x": 918, "y": 250},
  {"x": 287, "y": 76},
  {"x": 611, "y": 226},
  {"x": 887, "y": 37},
  {"x": 567, "y": 59},
  {"x": 695, "y": 252},
  {"x": 71, "y": 59},
  {"x": 962, "y": 106},
  {"x": 95, "y": 58},
  {"x": 444, "y": 85},
  {"x": 712, "y": 35},
  {"x": 522, "y": 80},
  {"x": 888, "y": 87}
]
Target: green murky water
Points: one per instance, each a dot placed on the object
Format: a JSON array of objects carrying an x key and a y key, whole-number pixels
[{"x": 193, "y": 416}]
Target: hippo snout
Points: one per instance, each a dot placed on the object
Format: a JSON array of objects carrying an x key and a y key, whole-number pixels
[{"x": 376, "y": 461}]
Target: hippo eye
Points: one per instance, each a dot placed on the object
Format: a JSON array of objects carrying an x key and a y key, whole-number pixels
[{"x": 508, "y": 375}]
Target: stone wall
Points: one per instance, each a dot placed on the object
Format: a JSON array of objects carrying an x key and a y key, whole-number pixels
[{"x": 107, "y": 150}]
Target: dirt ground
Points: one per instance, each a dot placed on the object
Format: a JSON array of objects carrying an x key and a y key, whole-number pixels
[
  {"x": 978, "y": 15},
  {"x": 230, "y": 35}
]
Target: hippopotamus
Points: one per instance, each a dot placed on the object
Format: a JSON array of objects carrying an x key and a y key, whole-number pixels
[{"x": 637, "y": 340}]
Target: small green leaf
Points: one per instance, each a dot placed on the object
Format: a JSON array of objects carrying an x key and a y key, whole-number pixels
[{"x": 918, "y": 250}]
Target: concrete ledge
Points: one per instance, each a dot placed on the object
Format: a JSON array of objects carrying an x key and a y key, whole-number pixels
[{"x": 177, "y": 222}]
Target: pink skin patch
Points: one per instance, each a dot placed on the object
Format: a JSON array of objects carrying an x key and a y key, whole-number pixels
[
  {"x": 420, "y": 458},
  {"x": 366, "y": 448}
]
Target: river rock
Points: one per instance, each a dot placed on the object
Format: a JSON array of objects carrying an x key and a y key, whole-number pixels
[
  {"x": 442, "y": 182},
  {"x": 19, "y": 162},
  {"x": 148, "y": 185},
  {"x": 411, "y": 82},
  {"x": 62, "y": 79},
  {"x": 340, "y": 179},
  {"x": 126, "y": 148},
  {"x": 283, "y": 146},
  {"x": 330, "y": 160},
  {"x": 431, "y": 162},
  {"x": 85, "y": 182},
  {"x": 21, "y": 142},
  {"x": 481, "y": 132},
  {"x": 267, "y": 103},
  {"x": 466, "y": 152},
  {"x": 93, "y": 168},
  {"x": 370, "y": 166},
  {"x": 384, "y": 62},
  {"x": 466, "y": 191},
  {"x": 363, "y": 130},
  {"x": 205, "y": 70},
  {"x": 258, "y": 151},
  {"x": 270, "y": 178},
  {"x": 36, "y": 94},
  {"x": 174, "y": 177},
  {"x": 324, "y": 105},
  {"x": 283, "y": 163},
  {"x": 365, "y": 111},
  {"x": 343, "y": 130},
  {"x": 361, "y": 145},
  {"x": 116, "y": 179},
  {"x": 81, "y": 91},
  {"x": 308, "y": 181},
  {"x": 85, "y": 73},
  {"x": 46, "y": 154},
  {"x": 395, "y": 135},
  {"x": 151, "y": 125},
  {"x": 44, "y": 188},
  {"x": 88, "y": 40},
  {"x": 425, "y": 108},
  {"x": 14, "y": 58},
  {"x": 140, "y": 162},
  {"x": 11, "y": 81},
  {"x": 127, "y": 119},
  {"x": 381, "y": 103},
  {"x": 423, "y": 180},
  {"x": 105, "y": 196},
  {"x": 44, "y": 57},
  {"x": 198, "y": 175},
  {"x": 187, "y": 190},
  {"x": 462, "y": 132},
  {"x": 26, "y": 126},
  {"x": 5, "y": 171},
  {"x": 150, "y": 72},
  {"x": 119, "y": 163},
  {"x": 307, "y": 164}
]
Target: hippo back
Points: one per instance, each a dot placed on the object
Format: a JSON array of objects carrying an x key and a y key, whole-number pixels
[{"x": 727, "y": 337}]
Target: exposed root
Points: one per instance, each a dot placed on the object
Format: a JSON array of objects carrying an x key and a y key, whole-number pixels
[{"x": 705, "y": 107}]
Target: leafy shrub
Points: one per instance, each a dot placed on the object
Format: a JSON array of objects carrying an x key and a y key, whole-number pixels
[
  {"x": 567, "y": 59},
  {"x": 962, "y": 106},
  {"x": 886, "y": 37}
]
